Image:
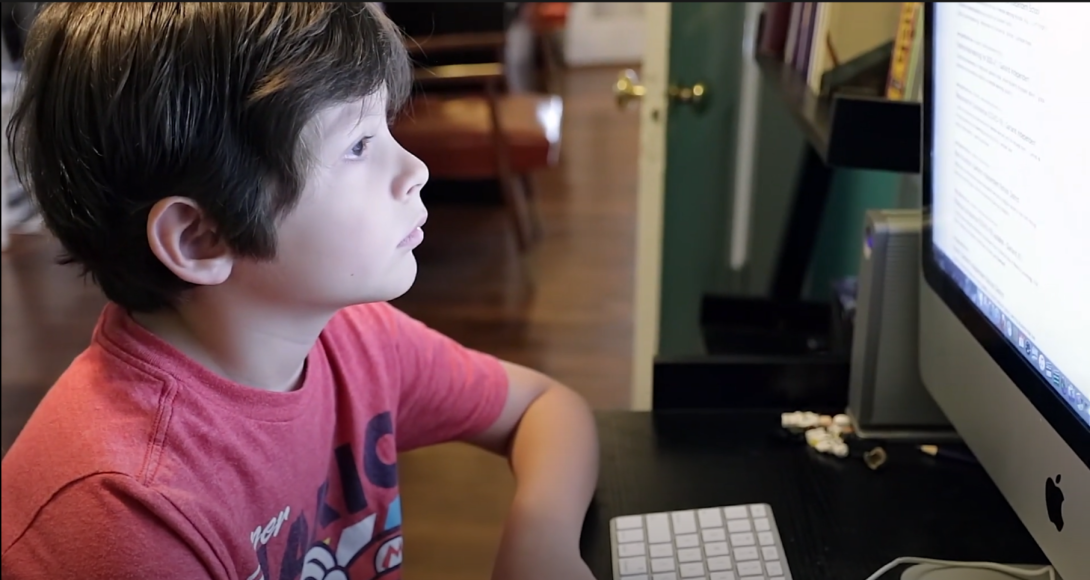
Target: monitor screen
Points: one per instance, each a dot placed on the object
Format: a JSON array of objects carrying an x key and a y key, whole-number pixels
[{"x": 1011, "y": 177}]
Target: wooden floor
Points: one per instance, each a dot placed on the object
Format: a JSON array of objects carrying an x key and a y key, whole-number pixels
[{"x": 575, "y": 325}]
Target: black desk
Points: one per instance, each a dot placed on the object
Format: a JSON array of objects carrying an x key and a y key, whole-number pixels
[{"x": 838, "y": 519}]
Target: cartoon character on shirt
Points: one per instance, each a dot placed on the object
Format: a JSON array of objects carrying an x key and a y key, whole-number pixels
[
  {"x": 360, "y": 553},
  {"x": 356, "y": 529}
]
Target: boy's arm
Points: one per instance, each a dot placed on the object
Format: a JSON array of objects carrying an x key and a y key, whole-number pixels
[
  {"x": 548, "y": 433},
  {"x": 449, "y": 392}
]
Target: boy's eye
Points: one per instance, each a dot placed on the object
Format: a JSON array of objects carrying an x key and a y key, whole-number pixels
[{"x": 359, "y": 148}]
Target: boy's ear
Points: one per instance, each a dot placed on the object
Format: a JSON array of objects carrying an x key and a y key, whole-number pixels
[{"x": 184, "y": 239}]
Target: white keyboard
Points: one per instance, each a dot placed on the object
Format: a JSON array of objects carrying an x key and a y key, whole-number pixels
[{"x": 738, "y": 542}]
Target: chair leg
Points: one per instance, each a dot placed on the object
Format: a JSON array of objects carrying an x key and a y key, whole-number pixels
[
  {"x": 552, "y": 73},
  {"x": 518, "y": 206},
  {"x": 514, "y": 195},
  {"x": 537, "y": 228}
]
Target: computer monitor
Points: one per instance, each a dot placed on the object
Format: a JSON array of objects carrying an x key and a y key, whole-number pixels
[{"x": 1005, "y": 294}]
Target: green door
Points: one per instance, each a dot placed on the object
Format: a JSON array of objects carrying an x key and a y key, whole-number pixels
[
  {"x": 700, "y": 198},
  {"x": 687, "y": 178}
]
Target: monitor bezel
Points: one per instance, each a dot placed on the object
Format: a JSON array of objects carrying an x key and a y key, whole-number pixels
[{"x": 1036, "y": 389}]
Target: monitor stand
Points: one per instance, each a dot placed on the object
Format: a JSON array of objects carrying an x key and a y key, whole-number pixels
[
  {"x": 932, "y": 572},
  {"x": 905, "y": 435}
]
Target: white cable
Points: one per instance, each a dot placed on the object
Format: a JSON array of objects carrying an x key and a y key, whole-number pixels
[{"x": 1019, "y": 573}]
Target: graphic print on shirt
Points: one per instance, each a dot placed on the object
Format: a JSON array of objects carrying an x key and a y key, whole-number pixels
[{"x": 354, "y": 530}]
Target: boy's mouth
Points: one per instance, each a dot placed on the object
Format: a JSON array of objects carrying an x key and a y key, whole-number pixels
[{"x": 416, "y": 236}]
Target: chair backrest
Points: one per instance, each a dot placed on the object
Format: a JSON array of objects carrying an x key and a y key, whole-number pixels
[
  {"x": 421, "y": 20},
  {"x": 432, "y": 18}
]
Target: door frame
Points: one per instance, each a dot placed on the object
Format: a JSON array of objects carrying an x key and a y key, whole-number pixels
[{"x": 651, "y": 191}]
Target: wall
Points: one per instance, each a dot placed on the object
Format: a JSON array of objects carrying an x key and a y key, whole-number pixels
[
  {"x": 780, "y": 149},
  {"x": 602, "y": 33},
  {"x": 840, "y": 240}
]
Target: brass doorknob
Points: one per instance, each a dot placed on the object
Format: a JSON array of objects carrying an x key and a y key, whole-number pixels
[
  {"x": 628, "y": 89},
  {"x": 693, "y": 95}
]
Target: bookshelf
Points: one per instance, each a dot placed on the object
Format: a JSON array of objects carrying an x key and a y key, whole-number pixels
[{"x": 846, "y": 130}]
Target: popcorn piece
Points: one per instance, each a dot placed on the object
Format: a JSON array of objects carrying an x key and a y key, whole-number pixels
[{"x": 816, "y": 435}]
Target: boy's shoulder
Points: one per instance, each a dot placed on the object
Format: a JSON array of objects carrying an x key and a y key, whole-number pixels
[{"x": 78, "y": 431}]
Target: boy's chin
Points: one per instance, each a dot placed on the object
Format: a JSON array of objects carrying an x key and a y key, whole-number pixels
[{"x": 394, "y": 287}]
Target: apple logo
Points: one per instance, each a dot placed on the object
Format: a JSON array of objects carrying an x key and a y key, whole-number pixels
[{"x": 1054, "y": 502}]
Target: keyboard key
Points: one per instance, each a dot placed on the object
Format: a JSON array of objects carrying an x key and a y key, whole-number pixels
[
  {"x": 762, "y": 524},
  {"x": 658, "y": 528},
  {"x": 736, "y": 512},
  {"x": 636, "y": 577},
  {"x": 751, "y": 568},
  {"x": 662, "y": 565},
  {"x": 689, "y": 555},
  {"x": 746, "y": 553},
  {"x": 687, "y": 541},
  {"x": 739, "y": 526},
  {"x": 626, "y": 536},
  {"x": 744, "y": 539},
  {"x": 633, "y": 566},
  {"x": 770, "y": 553},
  {"x": 710, "y": 518},
  {"x": 684, "y": 522},
  {"x": 662, "y": 551},
  {"x": 692, "y": 570},
  {"x": 758, "y": 511},
  {"x": 719, "y": 563},
  {"x": 722, "y": 576},
  {"x": 713, "y": 535},
  {"x": 716, "y": 549},
  {"x": 629, "y": 550},
  {"x": 629, "y": 522},
  {"x": 765, "y": 538},
  {"x": 667, "y": 576},
  {"x": 774, "y": 568}
]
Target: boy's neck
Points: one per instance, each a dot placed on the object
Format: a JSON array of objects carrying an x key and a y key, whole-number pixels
[{"x": 251, "y": 344}]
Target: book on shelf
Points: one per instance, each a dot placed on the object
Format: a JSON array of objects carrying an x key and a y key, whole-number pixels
[
  {"x": 791, "y": 42},
  {"x": 914, "y": 85},
  {"x": 905, "y": 48},
  {"x": 846, "y": 32},
  {"x": 833, "y": 46},
  {"x": 804, "y": 47},
  {"x": 775, "y": 24}
]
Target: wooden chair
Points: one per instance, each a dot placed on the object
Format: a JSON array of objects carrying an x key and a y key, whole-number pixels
[{"x": 464, "y": 124}]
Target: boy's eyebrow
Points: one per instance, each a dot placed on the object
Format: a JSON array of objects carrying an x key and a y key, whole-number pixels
[{"x": 350, "y": 117}]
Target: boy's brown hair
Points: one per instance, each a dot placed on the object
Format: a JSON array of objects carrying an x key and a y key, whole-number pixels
[{"x": 124, "y": 104}]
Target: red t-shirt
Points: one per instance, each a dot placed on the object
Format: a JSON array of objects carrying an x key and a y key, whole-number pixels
[{"x": 141, "y": 464}]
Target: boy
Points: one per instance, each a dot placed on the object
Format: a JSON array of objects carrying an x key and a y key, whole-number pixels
[{"x": 224, "y": 171}]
